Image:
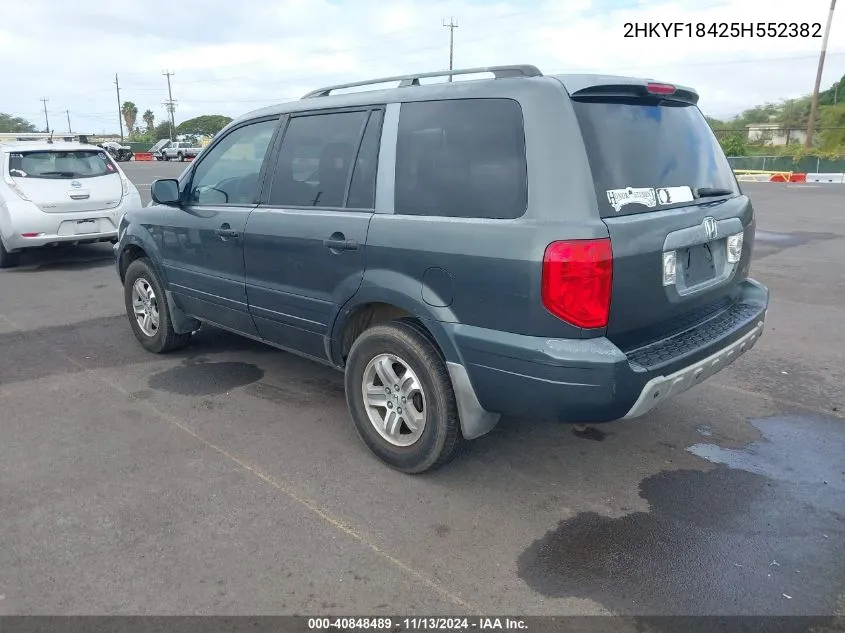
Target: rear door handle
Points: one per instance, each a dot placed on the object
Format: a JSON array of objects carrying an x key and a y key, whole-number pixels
[
  {"x": 225, "y": 232},
  {"x": 341, "y": 245}
]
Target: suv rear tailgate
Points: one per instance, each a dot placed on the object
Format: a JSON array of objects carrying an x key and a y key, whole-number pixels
[{"x": 663, "y": 185}]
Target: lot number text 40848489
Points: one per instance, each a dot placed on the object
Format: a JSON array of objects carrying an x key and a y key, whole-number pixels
[
  {"x": 723, "y": 29},
  {"x": 461, "y": 624}
]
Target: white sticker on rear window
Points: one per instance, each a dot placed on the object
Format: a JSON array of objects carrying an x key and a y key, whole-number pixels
[
  {"x": 674, "y": 195},
  {"x": 618, "y": 198}
]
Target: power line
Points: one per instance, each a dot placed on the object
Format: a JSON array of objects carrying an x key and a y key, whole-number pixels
[
  {"x": 415, "y": 27},
  {"x": 724, "y": 62}
]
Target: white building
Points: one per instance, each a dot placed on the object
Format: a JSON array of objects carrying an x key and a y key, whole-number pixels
[{"x": 773, "y": 134}]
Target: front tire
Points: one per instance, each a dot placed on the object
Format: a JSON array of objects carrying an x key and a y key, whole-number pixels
[
  {"x": 401, "y": 399},
  {"x": 7, "y": 259},
  {"x": 148, "y": 311}
]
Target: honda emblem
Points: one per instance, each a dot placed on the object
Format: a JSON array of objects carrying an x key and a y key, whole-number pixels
[{"x": 711, "y": 229}]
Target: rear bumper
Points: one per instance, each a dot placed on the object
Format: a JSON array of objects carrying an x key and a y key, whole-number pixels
[
  {"x": 661, "y": 387},
  {"x": 55, "y": 228},
  {"x": 592, "y": 380}
]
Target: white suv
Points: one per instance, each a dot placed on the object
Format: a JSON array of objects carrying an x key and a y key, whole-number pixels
[{"x": 59, "y": 192}]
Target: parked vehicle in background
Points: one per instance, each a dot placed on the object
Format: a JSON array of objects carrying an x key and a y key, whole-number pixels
[
  {"x": 55, "y": 193},
  {"x": 180, "y": 150},
  {"x": 155, "y": 150},
  {"x": 120, "y": 153},
  {"x": 391, "y": 235}
]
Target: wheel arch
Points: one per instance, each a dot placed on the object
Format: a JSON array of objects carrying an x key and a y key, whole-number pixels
[
  {"x": 137, "y": 246},
  {"x": 370, "y": 307}
]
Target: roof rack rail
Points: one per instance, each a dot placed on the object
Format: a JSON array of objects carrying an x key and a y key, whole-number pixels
[{"x": 499, "y": 72}]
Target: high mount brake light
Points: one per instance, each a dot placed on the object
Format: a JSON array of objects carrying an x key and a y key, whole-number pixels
[{"x": 660, "y": 89}]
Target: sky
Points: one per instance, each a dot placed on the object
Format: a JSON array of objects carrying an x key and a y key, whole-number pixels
[{"x": 231, "y": 57}]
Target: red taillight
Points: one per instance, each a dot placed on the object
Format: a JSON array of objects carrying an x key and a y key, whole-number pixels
[
  {"x": 660, "y": 89},
  {"x": 577, "y": 277},
  {"x": 30, "y": 234}
]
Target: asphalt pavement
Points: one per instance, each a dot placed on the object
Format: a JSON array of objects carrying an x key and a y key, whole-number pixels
[{"x": 227, "y": 478}]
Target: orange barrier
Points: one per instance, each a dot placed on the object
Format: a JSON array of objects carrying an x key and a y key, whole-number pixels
[
  {"x": 143, "y": 156},
  {"x": 781, "y": 177},
  {"x": 798, "y": 178}
]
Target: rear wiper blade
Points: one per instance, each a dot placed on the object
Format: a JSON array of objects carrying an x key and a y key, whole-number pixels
[{"x": 712, "y": 192}]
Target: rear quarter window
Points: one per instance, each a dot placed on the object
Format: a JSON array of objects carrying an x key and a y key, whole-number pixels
[{"x": 461, "y": 158}]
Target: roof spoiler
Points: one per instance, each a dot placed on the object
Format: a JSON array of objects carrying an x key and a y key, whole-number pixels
[{"x": 648, "y": 89}]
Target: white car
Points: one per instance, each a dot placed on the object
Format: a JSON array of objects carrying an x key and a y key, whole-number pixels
[{"x": 59, "y": 192}]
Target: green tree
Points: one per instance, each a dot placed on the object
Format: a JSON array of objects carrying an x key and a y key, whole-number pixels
[
  {"x": 149, "y": 121},
  {"x": 205, "y": 125},
  {"x": 160, "y": 131},
  {"x": 758, "y": 114},
  {"x": 130, "y": 114},
  {"x": 734, "y": 145},
  {"x": 9, "y": 123},
  {"x": 790, "y": 117},
  {"x": 832, "y": 127},
  {"x": 833, "y": 95}
]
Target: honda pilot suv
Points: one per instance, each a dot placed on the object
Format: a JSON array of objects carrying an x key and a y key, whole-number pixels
[{"x": 572, "y": 247}]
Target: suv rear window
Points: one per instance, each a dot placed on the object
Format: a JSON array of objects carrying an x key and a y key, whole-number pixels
[
  {"x": 463, "y": 158},
  {"x": 57, "y": 164},
  {"x": 650, "y": 147}
]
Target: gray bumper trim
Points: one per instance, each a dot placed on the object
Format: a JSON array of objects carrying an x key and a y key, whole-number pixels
[{"x": 661, "y": 388}]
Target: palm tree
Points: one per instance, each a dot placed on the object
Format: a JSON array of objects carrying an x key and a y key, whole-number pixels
[
  {"x": 130, "y": 113},
  {"x": 149, "y": 120}
]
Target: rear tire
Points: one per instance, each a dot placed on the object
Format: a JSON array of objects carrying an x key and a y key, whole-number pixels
[
  {"x": 428, "y": 433},
  {"x": 7, "y": 259},
  {"x": 181, "y": 157},
  {"x": 148, "y": 310}
]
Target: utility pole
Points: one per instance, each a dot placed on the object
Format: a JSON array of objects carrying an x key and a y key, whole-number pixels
[
  {"x": 46, "y": 119},
  {"x": 69, "y": 130},
  {"x": 119, "y": 111},
  {"x": 452, "y": 25},
  {"x": 171, "y": 104},
  {"x": 814, "y": 104}
]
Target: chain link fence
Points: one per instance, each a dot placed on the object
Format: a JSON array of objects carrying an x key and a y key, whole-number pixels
[{"x": 808, "y": 164}]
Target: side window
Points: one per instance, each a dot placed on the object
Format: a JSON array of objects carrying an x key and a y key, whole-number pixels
[
  {"x": 461, "y": 158},
  {"x": 362, "y": 189},
  {"x": 316, "y": 158},
  {"x": 228, "y": 173}
]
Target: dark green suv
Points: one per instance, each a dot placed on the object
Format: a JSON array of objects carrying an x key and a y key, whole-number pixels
[{"x": 565, "y": 247}]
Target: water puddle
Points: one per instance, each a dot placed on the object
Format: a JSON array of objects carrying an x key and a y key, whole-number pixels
[{"x": 762, "y": 532}]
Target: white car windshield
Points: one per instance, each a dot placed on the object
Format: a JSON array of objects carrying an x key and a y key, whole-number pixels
[{"x": 58, "y": 164}]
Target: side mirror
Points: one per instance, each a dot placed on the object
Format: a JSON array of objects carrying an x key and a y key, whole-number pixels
[{"x": 166, "y": 191}]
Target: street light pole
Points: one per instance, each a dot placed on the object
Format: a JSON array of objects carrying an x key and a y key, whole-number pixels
[{"x": 814, "y": 104}]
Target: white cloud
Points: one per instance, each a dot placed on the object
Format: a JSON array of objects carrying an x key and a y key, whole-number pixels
[{"x": 233, "y": 57}]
